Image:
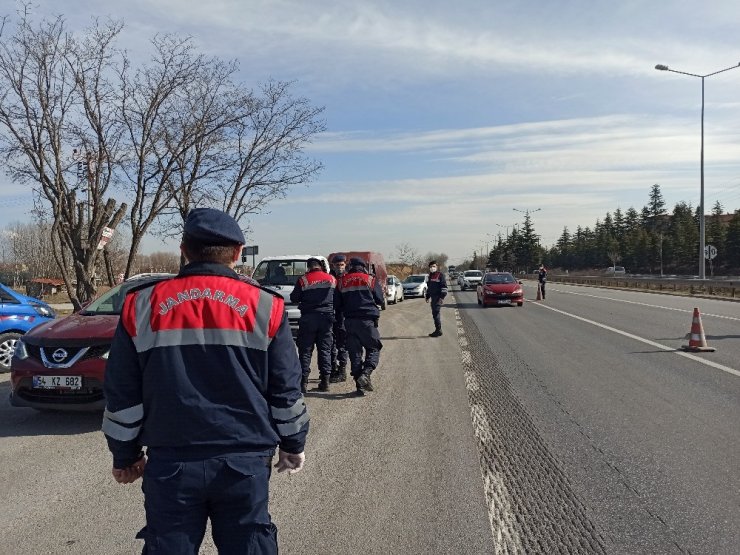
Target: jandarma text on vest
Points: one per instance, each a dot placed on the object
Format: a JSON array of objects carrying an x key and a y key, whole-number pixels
[{"x": 195, "y": 294}]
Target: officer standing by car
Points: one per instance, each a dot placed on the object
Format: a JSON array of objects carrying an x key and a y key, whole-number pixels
[
  {"x": 314, "y": 294},
  {"x": 542, "y": 279},
  {"x": 436, "y": 292},
  {"x": 339, "y": 356},
  {"x": 203, "y": 372},
  {"x": 360, "y": 295}
]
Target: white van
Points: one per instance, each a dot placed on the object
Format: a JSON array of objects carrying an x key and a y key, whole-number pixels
[
  {"x": 280, "y": 274},
  {"x": 616, "y": 270}
]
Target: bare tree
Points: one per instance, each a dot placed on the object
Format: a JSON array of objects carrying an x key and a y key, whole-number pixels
[
  {"x": 409, "y": 256},
  {"x": 54, "y": 98}
]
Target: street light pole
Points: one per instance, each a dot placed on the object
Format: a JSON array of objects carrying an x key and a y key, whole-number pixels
[{"x": 661, "y": 67}]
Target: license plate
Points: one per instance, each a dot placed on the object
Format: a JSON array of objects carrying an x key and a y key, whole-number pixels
[
  {"x": 504, "y": 301},
  {"x": 57, "y": 382}
]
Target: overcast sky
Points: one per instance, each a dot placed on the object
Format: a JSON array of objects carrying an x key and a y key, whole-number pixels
[{"x": 443, "y": 117}]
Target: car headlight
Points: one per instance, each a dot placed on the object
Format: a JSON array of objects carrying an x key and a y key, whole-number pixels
[
  {"x": 44, "y": 311},
  {"x": 20, "y": 352},
  {"x": 518, "y": 291}
]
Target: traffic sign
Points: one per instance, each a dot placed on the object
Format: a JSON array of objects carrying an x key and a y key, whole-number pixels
[{"x": 710, "y": 252}]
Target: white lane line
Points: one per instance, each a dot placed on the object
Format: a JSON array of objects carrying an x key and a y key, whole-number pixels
[
  {"x": 644, "y": 340},
  {"x": 687, "y": 311}
]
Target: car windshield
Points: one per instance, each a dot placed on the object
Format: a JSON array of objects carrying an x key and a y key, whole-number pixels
[
  {"x": 111, "y": 302},
  {"x": 415, "y": 279},
  {"x": 473, "y": 273},
  {"x": 500, "y": 278},
  {"x": 389, "y": 281},
  {"x": 279, "y": 272}
]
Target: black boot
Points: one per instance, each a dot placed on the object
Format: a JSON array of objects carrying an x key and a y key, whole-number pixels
[
  {"x": 436, "y": 333},
  {"x": 304, "y": 384},
  {"x": 338, "y": 375},
  {"x": 324, "y": 383},
  {"x": 364, "y": 382}
]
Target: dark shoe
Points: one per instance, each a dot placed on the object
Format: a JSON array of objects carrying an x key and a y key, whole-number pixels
[
  {"x": 338, "y": 376},
  {"x": 324, "y": 383},
  {"x": 304, "y": 384},
  {"x": 436, "y": 333},
  {"x": 364, "y": 382},
  {"x": 359, "y": 392}
]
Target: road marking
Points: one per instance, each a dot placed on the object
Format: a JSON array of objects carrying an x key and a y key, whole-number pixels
[
  {"x": 644, "y": 340},
  {"x": 687, "y": 311}
]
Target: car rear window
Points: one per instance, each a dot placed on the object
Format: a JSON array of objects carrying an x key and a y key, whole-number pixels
[
  {"x": 500, "y": 278},
  {"x": 473, "y": 273}
]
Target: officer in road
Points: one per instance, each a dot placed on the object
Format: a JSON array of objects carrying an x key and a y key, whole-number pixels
[
  {"x": 436, "y": 292},
  {"x": 314, "y": 294},
  {"x": 203, "y": 371},
  {"x": 339, "y": 356},
  {"x": 542, "y": 279},
  {"x": 360, "y": 295}
]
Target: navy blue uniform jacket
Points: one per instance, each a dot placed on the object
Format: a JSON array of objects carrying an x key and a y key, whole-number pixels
[
  {"x": 360, "y": 293},
  {"x": 315, "y": 293},
  {"x": 436, "y": 286},
  {"x": 203, "y": 364}
]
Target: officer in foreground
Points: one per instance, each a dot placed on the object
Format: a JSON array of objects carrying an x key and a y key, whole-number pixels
[
  {"x": 436, "y": 293},
  {"x": 339, "y": 356},
  {"x": 542, "y": 279},
  {"x": 203, "y": 372},
  {"x": 360, "y": 295},
  {"x": 314, "y": 294}
]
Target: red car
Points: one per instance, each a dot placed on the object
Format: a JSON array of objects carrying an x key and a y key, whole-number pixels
[
  {"x": 60, "y": 365},
  {"x": 500, "y": 289}
]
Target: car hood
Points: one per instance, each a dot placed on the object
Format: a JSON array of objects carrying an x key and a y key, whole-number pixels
[
  {"x": 412, "y": 285},
  {"x": 74, "y": 330},
  {"x": 283, "y": 290},
  {"x": 502, "y": 287}
]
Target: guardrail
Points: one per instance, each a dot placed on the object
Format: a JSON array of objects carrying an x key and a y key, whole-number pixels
[{"x": 692, "y": 287}]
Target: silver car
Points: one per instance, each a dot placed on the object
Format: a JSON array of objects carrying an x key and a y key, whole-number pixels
[
  {"x": 395, "y": 290},
  {"x": 469, "y": 279},
  {"x": 415, "y": 285}
]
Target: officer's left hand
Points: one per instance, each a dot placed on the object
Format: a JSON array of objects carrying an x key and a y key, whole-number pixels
[
  {"x": 130, "y": 474},
  {"x": 292, "y": 462}
]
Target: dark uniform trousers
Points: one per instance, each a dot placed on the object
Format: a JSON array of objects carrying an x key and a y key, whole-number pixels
[
  {"x": 362, "y": 334},
  {"x": 339, "y": 355},
  {"x": 231, "y": 490},
  {"x": 436, "y": 306},
  {"x": 315, "y": 329}
]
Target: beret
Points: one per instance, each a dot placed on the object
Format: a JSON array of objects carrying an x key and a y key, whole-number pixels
[
  {"x": 213, "y": 227},
  {"x": 356, "y": 262},
  {"x": 339, "y": 258}
]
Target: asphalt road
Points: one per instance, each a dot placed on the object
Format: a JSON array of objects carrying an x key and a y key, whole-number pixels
[
  {"x": 567, "y": 426},
  {"x": 394, "y": 472},
  {"x": 648, "y": 438}
]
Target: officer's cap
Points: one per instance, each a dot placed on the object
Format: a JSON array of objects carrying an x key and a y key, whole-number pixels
[
  {"x": 338, "y": 258},
  {"x": 358, "y": 262},
  {"x": 213, "y": 227}
]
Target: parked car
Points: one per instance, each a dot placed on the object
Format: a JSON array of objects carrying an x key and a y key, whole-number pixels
[
  {"x": 395, "y": 290},
  {"x": 19, "y": 314},
  {"x": 469, "y": 279},
  {"x": 499, "y": 288},
  {"x": 280, "y": 274},
  {"x": 616, "y": 271},
  {"x": 60, "y": 364},
  {"x": 415, "y": 285}
]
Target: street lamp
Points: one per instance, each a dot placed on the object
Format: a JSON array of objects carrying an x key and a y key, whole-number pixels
[
  {"x": 507, "y": 227},
  {"x": 661, "y": 67}
]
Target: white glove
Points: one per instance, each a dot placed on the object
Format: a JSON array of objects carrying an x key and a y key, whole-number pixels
[{"x": 292, "y": 462}]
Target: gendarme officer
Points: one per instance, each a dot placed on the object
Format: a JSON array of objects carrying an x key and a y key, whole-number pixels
[
  {"x": 360, "y": 295},
  {"x": 314, "y": 294},
  {"x": 204, "y": 373},
  {"x": 436, "y": 293},
  {"x": 339, "y": 356}
]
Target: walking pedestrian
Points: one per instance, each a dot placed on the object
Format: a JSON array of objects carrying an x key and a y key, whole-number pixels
[
  {"x": 203, "y": 372},
  {"x": 436, "y": 293},
  {"x": 542, "y": 280},
  {"x": 339, "y": 355},
  {"x": 314, "y": 294},
  {"x": 360, "y": 295}
]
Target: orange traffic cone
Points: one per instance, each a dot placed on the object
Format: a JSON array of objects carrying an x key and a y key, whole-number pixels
[
  {"x": 539, "y": 291},
  {"x": 697, "y": 341}
]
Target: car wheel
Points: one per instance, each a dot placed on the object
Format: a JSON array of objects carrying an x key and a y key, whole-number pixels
[
  {"x": 7, "y": 346},
  {"x": 520, "y": 304}
]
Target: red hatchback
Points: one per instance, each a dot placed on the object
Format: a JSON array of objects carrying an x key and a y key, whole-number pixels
[
  {"x": 500, "y": 289},
  {"x": 60, "y": 365}
]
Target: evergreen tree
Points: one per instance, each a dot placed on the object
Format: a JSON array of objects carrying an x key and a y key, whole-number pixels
[
  {"x": 715, "y": 234},
  {"x": 656, "y": 204},
  {"x": 732, "y": 243}
]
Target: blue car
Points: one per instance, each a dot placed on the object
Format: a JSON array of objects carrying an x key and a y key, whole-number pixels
[{"x": 18, "y": 314}]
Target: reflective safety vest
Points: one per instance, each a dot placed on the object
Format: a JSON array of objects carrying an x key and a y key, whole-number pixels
[{"x": 203, "y": 362}]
